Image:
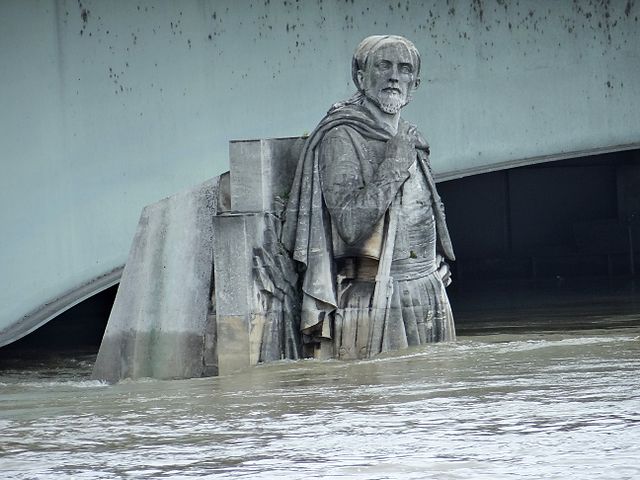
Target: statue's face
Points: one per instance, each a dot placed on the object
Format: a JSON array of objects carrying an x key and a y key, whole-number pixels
[{"x": 389, "y": 78}]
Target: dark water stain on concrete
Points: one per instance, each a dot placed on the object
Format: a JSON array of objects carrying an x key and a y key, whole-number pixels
[
  {"x": 478, "y": 9},
  {"x": 628, "y": 7},
  {"x": 84, "y": 16}
]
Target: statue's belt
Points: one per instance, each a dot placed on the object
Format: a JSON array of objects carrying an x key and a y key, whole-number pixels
[{"x": 366, "y": 269}]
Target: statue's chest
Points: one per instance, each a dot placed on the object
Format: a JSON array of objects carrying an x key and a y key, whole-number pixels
[
  {"x": 415, "y": 237},
  {"x": 371, "y": 154},
  {"x": 415, "y": 196}
]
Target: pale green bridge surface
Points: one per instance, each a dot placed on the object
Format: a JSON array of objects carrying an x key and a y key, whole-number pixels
[{"x": 108, "y": 106}]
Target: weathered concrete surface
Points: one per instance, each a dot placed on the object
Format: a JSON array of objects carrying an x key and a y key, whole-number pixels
[
  {"x": 235, "y": 238},
  {"x": 251, "y": 321},
  {"x": 256, "y": 299},
  {"x": 262, "y": 171},
  {"x": 160, "y": 325},
  {"x": 107, "y": 106},
  {"x": 173, "y": 317}
]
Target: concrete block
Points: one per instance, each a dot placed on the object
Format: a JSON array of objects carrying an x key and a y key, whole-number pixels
[
  {"x": 233, "y": 344},
  {"x": 262, "y": 170},
  {"x": 159, "y": 320},
  {"x": 235, "y": 238}
]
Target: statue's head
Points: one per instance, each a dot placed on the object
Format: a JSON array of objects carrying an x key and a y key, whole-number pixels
[{"x": 386, "y": 70}]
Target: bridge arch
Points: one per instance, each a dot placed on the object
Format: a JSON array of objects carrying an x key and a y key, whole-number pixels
[{"x": 110, "y": 107}]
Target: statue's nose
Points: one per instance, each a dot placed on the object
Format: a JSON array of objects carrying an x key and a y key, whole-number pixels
[{"x": 393, "y": 75}]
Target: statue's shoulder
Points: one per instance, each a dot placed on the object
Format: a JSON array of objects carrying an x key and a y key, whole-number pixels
[{"x": 342, "y": 132}]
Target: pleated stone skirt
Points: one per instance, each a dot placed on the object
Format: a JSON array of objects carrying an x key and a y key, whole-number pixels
[{"x": 419, "y": 312}]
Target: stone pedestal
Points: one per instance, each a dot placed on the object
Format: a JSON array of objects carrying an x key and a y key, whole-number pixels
[
  {"x": 173, "y": 317},
  {"x": 260, "y": 178},
  {"x": 236, "y": 237}
]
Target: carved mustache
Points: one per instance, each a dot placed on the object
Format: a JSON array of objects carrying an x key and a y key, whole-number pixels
[{"x": 392, "y": 90}]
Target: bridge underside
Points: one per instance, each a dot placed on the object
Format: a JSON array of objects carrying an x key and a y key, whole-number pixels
[
  {"x": 78, "y": 330},
  {"x": 552, "y": 246},
  {"x": 567, "y": 218}
]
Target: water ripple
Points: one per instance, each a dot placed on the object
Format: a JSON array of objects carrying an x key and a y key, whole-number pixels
[{"x": 556, "y": 406}]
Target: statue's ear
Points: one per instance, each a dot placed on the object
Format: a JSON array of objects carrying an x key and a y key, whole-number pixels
[
  {"x": 416, "y": 83},
  {"x": 360, "y": 78}
]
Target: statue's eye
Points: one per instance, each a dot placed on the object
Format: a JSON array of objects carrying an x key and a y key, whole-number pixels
[
  {"x": 405, "y": 68},
  {"x": 384, "y": 65}
]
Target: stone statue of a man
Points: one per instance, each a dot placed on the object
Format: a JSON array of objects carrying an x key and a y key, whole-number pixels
[{"x": 365, "y": 220}]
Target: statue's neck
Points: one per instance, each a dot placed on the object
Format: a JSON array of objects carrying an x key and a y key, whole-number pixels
[{"x": 389, "y": 121}]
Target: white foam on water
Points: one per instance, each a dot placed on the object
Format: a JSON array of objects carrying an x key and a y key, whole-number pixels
[
  {"x": 62, "y": 383},
  {"x": 565, "y": 342}
]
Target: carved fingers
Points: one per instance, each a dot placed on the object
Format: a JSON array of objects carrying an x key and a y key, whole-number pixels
[
  {"x": 402, "y": 146},
  {"x": 444, "y": 271}
]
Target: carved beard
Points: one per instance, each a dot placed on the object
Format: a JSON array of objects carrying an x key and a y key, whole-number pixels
[{"x": 390, "y": 103}]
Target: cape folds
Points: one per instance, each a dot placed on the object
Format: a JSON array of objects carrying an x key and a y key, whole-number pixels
[{"x": 306, "y": 231}]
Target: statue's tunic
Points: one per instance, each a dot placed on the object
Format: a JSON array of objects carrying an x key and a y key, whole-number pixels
[{"x": 358, "y": 186}]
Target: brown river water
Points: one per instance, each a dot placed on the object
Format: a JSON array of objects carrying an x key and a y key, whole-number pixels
[{"x": 561, "y": 405}]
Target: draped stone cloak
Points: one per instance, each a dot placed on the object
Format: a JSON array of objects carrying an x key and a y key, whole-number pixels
[{"x": 307, "y": 231}]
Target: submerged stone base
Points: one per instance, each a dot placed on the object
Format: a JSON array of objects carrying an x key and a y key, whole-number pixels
[
  {"x": 161, "y": 325},
  {"x": 173, "y": 317}
]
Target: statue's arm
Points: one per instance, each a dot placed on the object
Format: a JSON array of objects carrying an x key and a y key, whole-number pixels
[{"x": 354, "y": 206}]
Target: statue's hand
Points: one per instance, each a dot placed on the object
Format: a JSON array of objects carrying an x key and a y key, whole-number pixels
[
  {"x": 443, "y": 270},
  {"x": 402, "y": 147}
]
